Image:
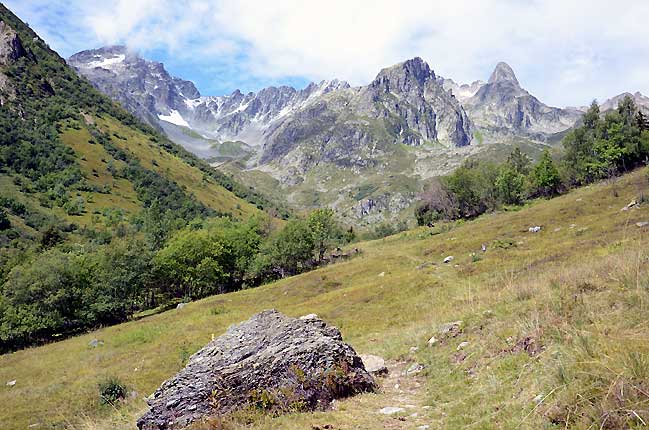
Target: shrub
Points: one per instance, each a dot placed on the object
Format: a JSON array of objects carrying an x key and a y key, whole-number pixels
[{"x": 111, "y": 391}]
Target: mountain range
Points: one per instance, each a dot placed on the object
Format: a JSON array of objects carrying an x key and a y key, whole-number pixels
[{"x": 366, "y": 151}]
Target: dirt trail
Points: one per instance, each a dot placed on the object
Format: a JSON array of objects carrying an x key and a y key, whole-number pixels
[{"x": 406, "y": 391}]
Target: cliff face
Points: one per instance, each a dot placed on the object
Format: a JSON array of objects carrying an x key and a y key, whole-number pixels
[{"x": 503, "y": 107}]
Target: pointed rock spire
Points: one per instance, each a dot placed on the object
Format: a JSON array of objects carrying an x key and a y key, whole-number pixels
[{"x": 502, "y": 73}]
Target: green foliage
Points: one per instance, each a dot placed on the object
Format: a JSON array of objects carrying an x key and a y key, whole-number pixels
[
  {"x": 519, "y": 162},
  {"x": 111, "y": 391},
  {"x": 201, "y": 260},
  {"x": 288, "y": 252},
  {"x": 57, "y": 279},
  {"x": 600, "y": 148},
  {"x": 545, "y": 177},
  {"x": 472, "y": 187},
  {"x": 603, "y": 147},
  {"x": 387, "y": 229},
  {"x": 192, "y": 264},
  {"x": 75, "y": 206},
  {"x": 59, "y": 293},
  {"x": 323, "y": 230},
  {"x": 510, "y": 185}
]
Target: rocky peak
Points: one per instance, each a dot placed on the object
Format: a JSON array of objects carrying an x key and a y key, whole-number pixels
[
  {"x": 403, "y": 76},
  {"x": 503, "y": 73},
  {"x": 141, "y": 86}
]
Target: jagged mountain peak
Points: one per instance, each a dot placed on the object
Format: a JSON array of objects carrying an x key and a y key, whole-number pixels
[
  {"x": 503, "y": 73},
  {"x": 413, "y": 69},
  {"x": 143, "y": 87}
]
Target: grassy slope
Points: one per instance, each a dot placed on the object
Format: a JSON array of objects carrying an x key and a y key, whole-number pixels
[
  {"x": 94, "y": 161},
  {"x": 40, "y": 63},
  {"x": 580, "y": 291}
]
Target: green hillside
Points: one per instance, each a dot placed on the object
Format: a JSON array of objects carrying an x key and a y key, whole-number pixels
[
  {"x": 88, "y": 195},
  {"x": 71, "y": 157},
  {"x": 556, "y": 321}
]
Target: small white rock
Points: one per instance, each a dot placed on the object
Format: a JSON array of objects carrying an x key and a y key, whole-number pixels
[
  {"x": 11, "y": 383},
  {"x": 391, "y": 410},
  {"x": 382, "y": 274},
  {"x": 432, "y": 341},
  {"x": 448, "y": 259},
  {"x": 462, "y": 345}
]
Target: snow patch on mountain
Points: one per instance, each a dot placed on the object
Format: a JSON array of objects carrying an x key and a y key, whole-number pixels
[
  {"x": 175, "y": 118},
  {"x": 106, "y": 63}
]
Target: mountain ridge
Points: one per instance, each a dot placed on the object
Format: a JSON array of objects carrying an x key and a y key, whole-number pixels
[{"x": 300, "y": 138}]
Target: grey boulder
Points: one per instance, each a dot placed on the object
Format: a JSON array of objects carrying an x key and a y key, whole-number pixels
[{"x": 270, "y": 362}]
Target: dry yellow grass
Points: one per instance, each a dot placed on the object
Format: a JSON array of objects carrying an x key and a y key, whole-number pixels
[{"x": 579, "y": 289}]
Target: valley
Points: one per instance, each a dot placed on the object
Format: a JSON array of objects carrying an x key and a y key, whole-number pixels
[
  {"x": 578, "y": 288},
  {"x": 401, "y": 251}
]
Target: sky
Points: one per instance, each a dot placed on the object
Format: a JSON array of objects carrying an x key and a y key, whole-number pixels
[{"x": 565, "y": 52}]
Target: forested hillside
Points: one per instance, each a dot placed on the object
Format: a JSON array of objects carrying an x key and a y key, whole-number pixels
[{"x": 88, "y": 195}]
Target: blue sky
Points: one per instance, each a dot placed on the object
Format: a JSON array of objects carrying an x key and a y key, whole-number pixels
[{"x": 566, "y": 52}]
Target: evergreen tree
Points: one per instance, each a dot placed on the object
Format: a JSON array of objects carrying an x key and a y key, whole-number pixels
[{"x": 4, "y": 220}]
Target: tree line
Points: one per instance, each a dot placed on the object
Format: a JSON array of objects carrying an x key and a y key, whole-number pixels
[
  {"x": 70, "y": 288},
  {"x": 601, "y": 147}
]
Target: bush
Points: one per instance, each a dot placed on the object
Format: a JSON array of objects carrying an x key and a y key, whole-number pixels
[{"x": 111, "y": 391}]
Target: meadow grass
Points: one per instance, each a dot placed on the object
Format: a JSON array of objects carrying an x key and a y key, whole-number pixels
[{"x": 556, "y": 321}]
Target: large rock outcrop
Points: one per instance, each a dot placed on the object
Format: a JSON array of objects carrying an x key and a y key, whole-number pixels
[{"x": 271, "y": 361}]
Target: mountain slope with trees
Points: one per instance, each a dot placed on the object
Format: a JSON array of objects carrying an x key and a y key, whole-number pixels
[{"x": 89, "y": 196}]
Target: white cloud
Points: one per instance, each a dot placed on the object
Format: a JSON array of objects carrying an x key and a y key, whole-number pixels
[{"x": 565, "y": 52}]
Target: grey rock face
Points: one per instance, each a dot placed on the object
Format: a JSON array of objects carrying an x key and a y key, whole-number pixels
[
  {"x": 10, "y": 47},
  {"x": 503, "y": 107},
  {"x": 271, "y": 361},
  {"x": 10, "y": 50},
  {"x": 143, "y": 87},
  {"x": 503, "y": 73},
  {"x": 324, "y": 122},
  {"x": 374, "y": 364},
  {"x": 349, "y": 127}
]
